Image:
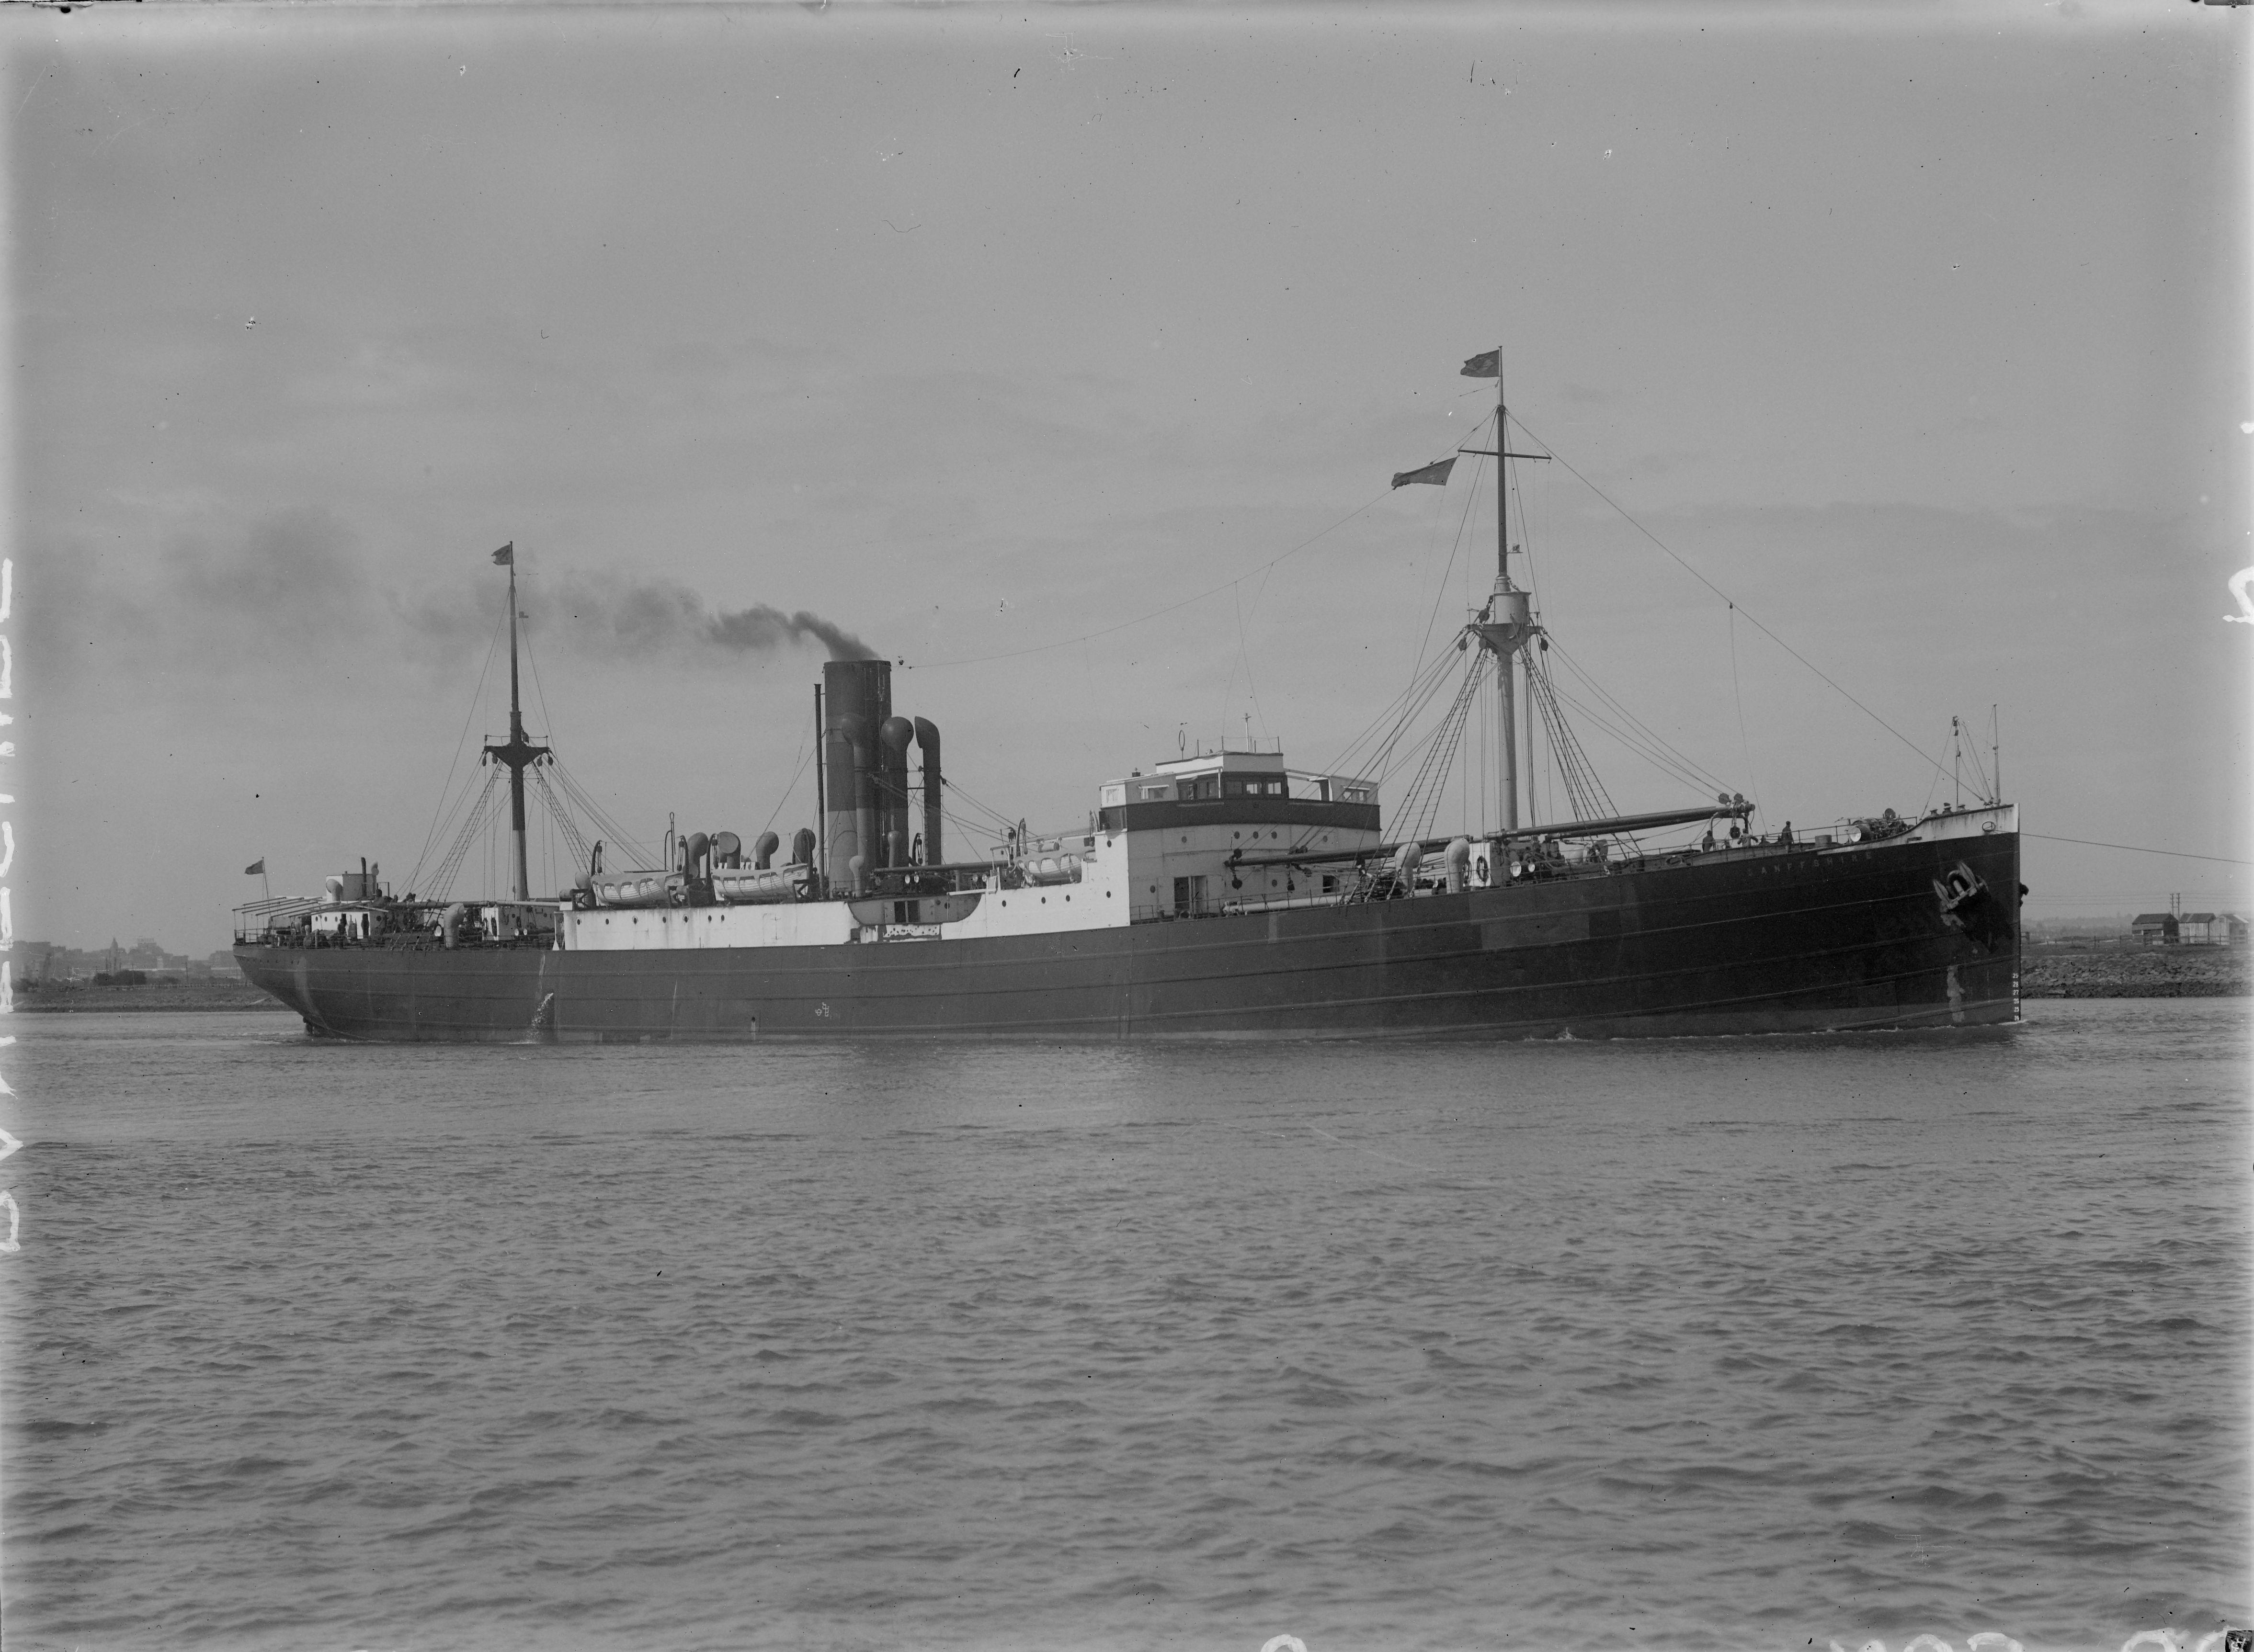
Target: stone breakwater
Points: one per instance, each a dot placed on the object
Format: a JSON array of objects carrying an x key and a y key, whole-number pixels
[{"x": 2173, "y": 972}]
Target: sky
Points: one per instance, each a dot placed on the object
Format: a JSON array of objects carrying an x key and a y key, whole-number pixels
[{"x": 1064, "y": 357}]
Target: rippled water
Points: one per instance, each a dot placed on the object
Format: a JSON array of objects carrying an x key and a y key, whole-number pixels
[{"x": 1742, "y": 1342}]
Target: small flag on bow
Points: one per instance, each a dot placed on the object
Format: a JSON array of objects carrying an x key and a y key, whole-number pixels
[
  {"x": 256, "y": 869},
  {"x": 506, "y": 557},
  {"x": 1484, "y": 366},
  {"x": 1436, "y": 473}
]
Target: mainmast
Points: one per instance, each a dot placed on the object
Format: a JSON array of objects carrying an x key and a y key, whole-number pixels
[
  {"x": 519, "y": 753},
  {"x": 1506, "y": 621}
]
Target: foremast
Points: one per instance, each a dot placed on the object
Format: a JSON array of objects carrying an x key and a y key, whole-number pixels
[
  {"x": 519, "y": 753},
  {"x": 1506, "y": 624}
]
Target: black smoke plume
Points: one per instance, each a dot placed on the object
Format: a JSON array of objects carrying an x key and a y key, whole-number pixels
[
  {"x": 760, "y": 627},
  {"x": 647, "y": 616}
]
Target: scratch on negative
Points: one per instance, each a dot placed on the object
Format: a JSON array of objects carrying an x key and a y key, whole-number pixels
[{"x": 1429, "y": 1170}]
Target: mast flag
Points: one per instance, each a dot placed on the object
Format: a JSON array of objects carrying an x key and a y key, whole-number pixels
[
  {"x": 506, "y": 557},
  {"x": 1488, "y": 365},
  {"x": 256, "y": 869},
  {"x": 1436, "y": 473}
]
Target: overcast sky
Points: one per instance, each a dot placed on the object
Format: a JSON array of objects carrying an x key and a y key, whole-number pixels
[{"x": 1921, "y": 333}]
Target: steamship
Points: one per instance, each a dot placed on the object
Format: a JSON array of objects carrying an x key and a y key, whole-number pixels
[{"x": 1219, "y": 894}]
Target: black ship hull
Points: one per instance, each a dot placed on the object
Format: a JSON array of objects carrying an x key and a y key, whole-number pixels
[{"x": 1907, "y": 934}]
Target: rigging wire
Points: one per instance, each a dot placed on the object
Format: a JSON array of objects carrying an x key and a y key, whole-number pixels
[
  {"x": 797, "y": 769},
  {"x": 1388, "y": 722},
  {"x": 972, "y": 830},
  {"x": 1402, "y": 756},
  {"x": 1585, "y": 792},
  {"x": 2139, "y": 849},
  {"x": 612, "y": 830},
  {"x": 1421, "y": 801},
  {"x": 1440, "y": 594},
  {"x": 1679, "y": 762},
  {"x": 463, "y": 800},
  {"x": 1719, "y": 591},
  {"x": 441, "y": 883},
  {"x": 547, "y": 718},
  {"x": 1979, "y": 769},
  {"x": 572, "y": 788},
  {"x": 476, "y": 699},
  {"x": 581, "y": 853},
  {"x": 996, "y": 817},
  {"x": 1656, "y": 755},
  {"x": 1396, "y": 757},
  {"x": 1378, "y": 761},
  {"x": 1244, "y": 654},
  {"x": 1939, "y": 776},
  {"x": 1674, "y": 771},
  {"x": 1738, "y": 694}
]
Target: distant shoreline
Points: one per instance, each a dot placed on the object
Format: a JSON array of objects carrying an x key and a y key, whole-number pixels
[
  {"x": 2117, "y": 972},
  {"x": 79, "y": 999}
]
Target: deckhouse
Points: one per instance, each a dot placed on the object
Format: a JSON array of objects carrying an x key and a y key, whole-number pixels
[{"x": 1189, "y": 824}]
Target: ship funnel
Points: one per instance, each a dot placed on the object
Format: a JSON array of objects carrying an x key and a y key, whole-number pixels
[
  {"x": 927, "y": 733},
  {"x": 856, "y": 698}
]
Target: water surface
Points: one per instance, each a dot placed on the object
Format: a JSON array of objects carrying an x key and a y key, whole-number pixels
[{"x": 1698, "y": 1343}]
